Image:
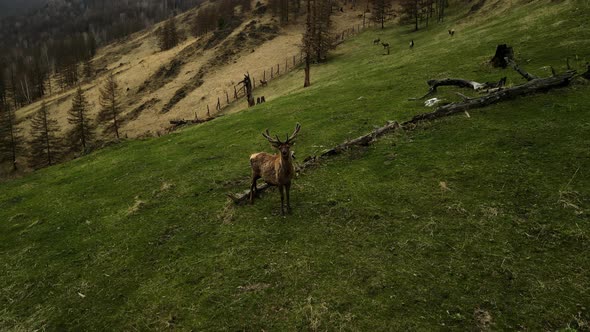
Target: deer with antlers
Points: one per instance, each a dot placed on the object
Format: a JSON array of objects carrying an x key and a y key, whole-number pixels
[{"x": 275, "y": 169}]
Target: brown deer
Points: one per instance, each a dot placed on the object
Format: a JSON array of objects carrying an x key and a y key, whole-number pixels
[{"x": 275, "y": 169}]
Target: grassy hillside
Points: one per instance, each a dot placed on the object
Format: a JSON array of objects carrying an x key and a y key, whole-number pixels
[{"x": 140, "y": 236}]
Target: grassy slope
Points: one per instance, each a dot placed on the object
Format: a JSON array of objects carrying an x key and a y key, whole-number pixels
[{"x": 143, "y": 231}]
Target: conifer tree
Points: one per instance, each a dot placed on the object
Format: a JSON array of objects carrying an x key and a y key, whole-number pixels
[
  {"x": 323, "y": 40},
  {"x": 381, "y": 10},
  {"x": 10, "y": 139},
  {"x": 45, "y": 145},
  {"x": 110, "y": 107},
  {"x": 308, "y": 42},
  {"x": 168, "y": 35},
  {"x": 80, "y": 136}
]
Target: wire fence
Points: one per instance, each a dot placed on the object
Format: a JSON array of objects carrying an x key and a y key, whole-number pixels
[{"x": 262, "y": 78}]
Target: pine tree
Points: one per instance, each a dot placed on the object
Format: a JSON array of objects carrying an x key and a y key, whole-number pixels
[
  {"x": 81, "y": 134},
  {"x": 323, "y": 39},
  {"x": 110, "y": 106},
  {"x": 10, "y": 139},
  {"x": 381, "y": 10},
  {"x": 88, "y": 69},
  {"x": 45, "y": 145},
  {"x": 168, "y": 35}
]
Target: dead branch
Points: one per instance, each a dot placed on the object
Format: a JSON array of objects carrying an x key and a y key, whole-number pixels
[
  {"x": 522, "y": 72},
  {"x": 362, "y": 140},
  {"x": 533, "y": 86},
  {"x": 459, "y": 82},
  {"x": 240, "y": 198}
]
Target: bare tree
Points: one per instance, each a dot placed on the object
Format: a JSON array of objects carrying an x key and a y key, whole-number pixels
[{"x": 308, "y": 42}]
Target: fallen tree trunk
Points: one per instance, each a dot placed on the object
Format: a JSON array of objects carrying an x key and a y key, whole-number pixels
[
  {"x": 434, "y": 84},
  {"x": 364, "y": 140},
  {"x": 533, "y": 86}
]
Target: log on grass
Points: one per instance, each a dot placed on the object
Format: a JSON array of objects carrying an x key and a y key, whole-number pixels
[
  {"x": 363, "y": 140},
  {"x": 458, "y": 82},
  {"x": 243, "y": 197},
  {"x": 534, "y": 86},
  {"x": 240, "y": 198}
]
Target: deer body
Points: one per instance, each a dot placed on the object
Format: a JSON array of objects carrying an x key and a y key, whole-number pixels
[{"x": 274, "y": 169}]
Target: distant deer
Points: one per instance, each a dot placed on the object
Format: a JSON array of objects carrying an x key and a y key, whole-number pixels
[
  {"x": 257, "y": 100},
  {"x": 262, "y": 100},
  {"x": 275, "y": 169},
  {"x": 263, "y": 82},
  {"x": 412, "y": 44},
  {"x": 452, "y": 32},
  {"x": 385, "y": 45},
  {"x": 376, "y": 41}
]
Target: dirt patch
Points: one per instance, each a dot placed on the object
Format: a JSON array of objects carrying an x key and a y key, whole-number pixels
[
  {"x": 253, "y": 287},
  {"x": 483, "y": 319}
]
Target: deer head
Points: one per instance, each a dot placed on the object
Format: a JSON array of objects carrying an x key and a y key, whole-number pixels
[{"x": 283, "y": 146}]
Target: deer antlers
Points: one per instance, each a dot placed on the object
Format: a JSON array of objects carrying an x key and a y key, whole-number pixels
[{"x": 277, "y": 141}]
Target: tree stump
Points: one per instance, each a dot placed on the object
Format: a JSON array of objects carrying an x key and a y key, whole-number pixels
[
  {"x": 502, "y": 51},
  {"x": 248, "y": 89}
]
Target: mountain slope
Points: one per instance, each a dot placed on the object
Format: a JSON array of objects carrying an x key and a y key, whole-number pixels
[
  {"x": 218, "y": 61},
  {"x": 140, "y": 235}
]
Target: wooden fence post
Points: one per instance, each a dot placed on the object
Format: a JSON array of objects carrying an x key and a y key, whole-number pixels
[
  {"x": 271, "y": 72},
  {"x": 293, "y": 61},
  {"x": 208, "y": 114},
  {"x": 264, "y": 75},
  {"x": 218, "y": 105},
  {"x": 227, "y": 96},
  {"x": 278, "y": 69},
  {"x": 235, "y": 93}
]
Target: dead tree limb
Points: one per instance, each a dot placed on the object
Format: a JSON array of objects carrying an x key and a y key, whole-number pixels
[
  {"x": 522, "y": 72},
  {"x": 476, "y": 86},
  {"x": 533, "y": 86},
  {"x": 586, "y": 75},
  {"x": 362, "y": 140},
  {"x": 247, "y": 82},
  {"x": 240, "y": 198}
]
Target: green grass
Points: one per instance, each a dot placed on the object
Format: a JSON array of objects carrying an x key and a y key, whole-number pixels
[{"x": 140, "y": 236}]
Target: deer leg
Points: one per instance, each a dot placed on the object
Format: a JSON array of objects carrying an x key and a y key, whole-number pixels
[
  {"x": 253, "y": 189},
  {"x": 282, "y": 200},
  {"x": 287, "y": 188}
]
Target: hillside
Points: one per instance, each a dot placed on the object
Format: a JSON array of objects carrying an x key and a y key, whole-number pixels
[
  {"x": 205, "y": 68},
  {"x": 465, "y": 223}
]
